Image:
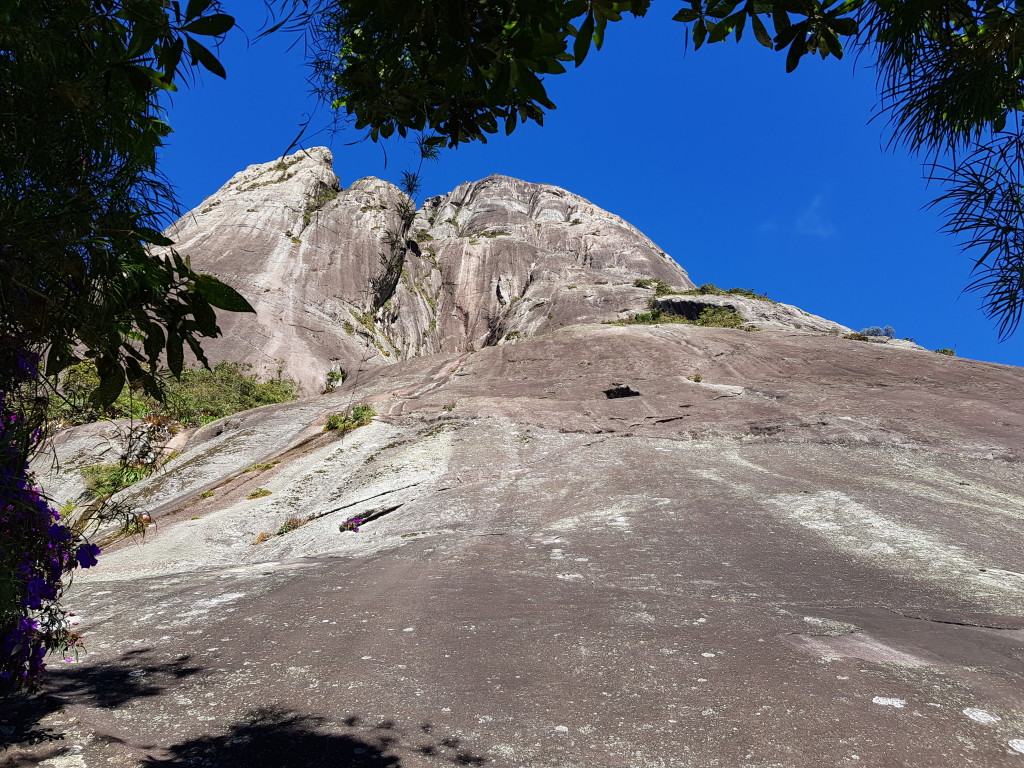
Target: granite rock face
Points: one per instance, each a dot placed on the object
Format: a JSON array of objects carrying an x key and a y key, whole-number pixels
[
  {"x": 493, "y": 261},
  {"x": 655, "y": 546}
]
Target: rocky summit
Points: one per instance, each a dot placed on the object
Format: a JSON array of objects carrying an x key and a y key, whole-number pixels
[{"x": 580, "y": 544}]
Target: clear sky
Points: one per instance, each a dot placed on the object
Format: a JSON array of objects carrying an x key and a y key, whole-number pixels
[{"x": 745, "y": 175}]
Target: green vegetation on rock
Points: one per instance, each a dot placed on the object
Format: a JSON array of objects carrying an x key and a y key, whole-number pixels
[
  {"x": 359, "y": 416},
  {"x": 104, "y": 480},
  {"x": 200, "y": 396},
  {"x": 710, "y": 317},
  {"x": 710, "y": 289}
]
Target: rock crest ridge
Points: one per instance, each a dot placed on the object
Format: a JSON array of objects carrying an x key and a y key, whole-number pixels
[{"x": 341, "y": 281}]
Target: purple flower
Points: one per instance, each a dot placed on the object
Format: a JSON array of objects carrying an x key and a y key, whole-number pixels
[{"x": 87, "y": 555}]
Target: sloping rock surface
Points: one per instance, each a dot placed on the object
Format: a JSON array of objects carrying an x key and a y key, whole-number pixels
[
  {"x": 493, "y": 260},
  {"x": 577, "y": 554}
]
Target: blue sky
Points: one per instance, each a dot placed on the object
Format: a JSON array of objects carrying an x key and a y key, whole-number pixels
[{"x": 747, "y": 176}]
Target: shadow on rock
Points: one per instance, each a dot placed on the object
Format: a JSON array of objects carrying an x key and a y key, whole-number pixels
[
  {"x": 279, "y": 738},
  {"x": 20, "y": 717},
  {"x": 110, "y": 684}
]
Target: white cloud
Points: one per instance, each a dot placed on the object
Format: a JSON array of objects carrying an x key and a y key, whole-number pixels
[{"x": 812, "y": 222}]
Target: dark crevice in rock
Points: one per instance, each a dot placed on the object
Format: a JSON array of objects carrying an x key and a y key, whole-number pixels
[
  {"x": 621, "y": 391},
  {"x": 686, "y": 307},
  {"x": 1010, "y": 625},
  {"x": 376, "y": 495}
]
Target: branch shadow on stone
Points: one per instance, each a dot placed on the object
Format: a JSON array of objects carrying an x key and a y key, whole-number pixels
[
  {"x": 274, "y": 737},
  {"x": 20, "y": 721},
  {"x": 110, "y": 684}
]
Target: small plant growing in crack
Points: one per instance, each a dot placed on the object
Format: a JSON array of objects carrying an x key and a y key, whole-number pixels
[
  {"x": 258, "y": 493},
  {"x": 359, "y": 416},
  {"x": 291, "y": 524},
  {"x": 261, "y": 467}
]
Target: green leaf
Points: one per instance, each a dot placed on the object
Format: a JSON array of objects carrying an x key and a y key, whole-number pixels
[
  {"x": 581, "y": 46},
  {"x": 175, "y": 353},
  {"x": 827, "y": 36},
  {"x": 760, "y": 33},
  {"x": 153, "y": 340},
  {"x": 845, "y": 26},
  {"x": 700, "y": 33},
  {"x": 111, "y": 382},
  {"x": 195, "y": 8},
  {"x": 217, "y": 24},
  {"x": 203, "y": 56},
  {"x": 782, "y": 23},
  {"x": 722, "y": 9},
  {"x": 796, "y": 50},
  {"x": 725, "y": 26},
  {"x": 221, "y": 295},
  {"x": 143, "y": 38}
]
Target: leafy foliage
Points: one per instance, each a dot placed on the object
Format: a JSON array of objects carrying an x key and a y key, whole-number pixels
[
  {"x": 291, "y": 523},
  {"x": 200, "y": 396},
  {"x": 81, "y": 208},
  {"x": 83, "y": 202},
  {"x": 710, "y": 317},
  {"x": 461, "y": 69},
  {"x": 710, "y": 289},
  {"x": 951, "y": 85},
  {"x": 359, "y": 416},
  {"x": 949, "y": 77},
  {"x": 464, "y": 69},
  {"x": 104, "y": 480}
]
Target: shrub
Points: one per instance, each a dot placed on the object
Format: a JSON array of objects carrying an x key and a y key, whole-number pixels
[
  {"x": 710, "y": 289},
  {"x": 359, "y": 416},
  {"x": 710, "y": 317},
  {"x": 719, "y": 317},
  {"x": 661, "y": 288},
  {"x": 334, "y": 378},
  {"x": 291, "y": 524},
  {"x": 874, "y": 330},
  {"x": 198, "y": 397},
  {"x": 856, "y": 336},
  {"x": 202, "y": 395},
  {"x": 104, "y": 480},
  {"x": 946, "y": 351},
  {"x": 654, "y": 317}
]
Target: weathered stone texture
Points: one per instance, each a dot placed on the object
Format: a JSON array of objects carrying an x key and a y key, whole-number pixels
[
  {"x": 654, "y": 546},
  {"x": 494, "y": 260}
]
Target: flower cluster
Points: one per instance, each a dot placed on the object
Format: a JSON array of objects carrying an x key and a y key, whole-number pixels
[
  {"x": 38, "y": 554},
  {"x": 352, "y": 524}
]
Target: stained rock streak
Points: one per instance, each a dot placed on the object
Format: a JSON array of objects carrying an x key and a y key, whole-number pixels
[{"x": 591, "y": 545}]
